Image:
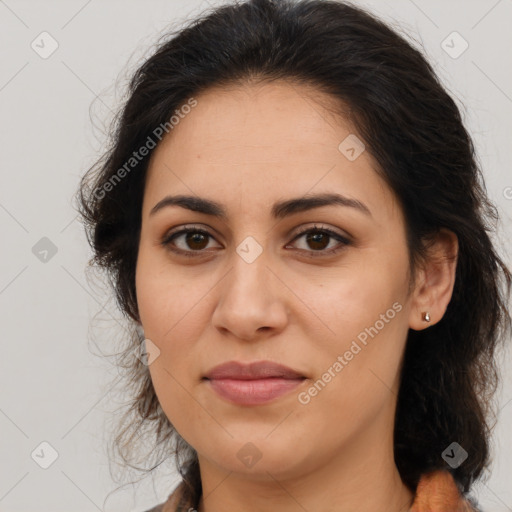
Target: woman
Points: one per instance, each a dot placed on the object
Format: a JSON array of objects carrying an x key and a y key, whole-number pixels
[{"x": 294, "y": 221}]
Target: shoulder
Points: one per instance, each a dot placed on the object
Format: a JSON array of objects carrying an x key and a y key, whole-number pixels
[{"x": 437, "y": 490}]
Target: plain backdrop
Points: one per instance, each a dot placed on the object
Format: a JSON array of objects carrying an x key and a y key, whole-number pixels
[{"x": 55, "y": 402}]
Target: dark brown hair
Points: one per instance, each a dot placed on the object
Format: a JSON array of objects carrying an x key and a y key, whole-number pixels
[{"x": 413, "y": 129}]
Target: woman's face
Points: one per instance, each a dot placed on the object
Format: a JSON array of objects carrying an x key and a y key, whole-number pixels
[{"x": 334, "y": 310}]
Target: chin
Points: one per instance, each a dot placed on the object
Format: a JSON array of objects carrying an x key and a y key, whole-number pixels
[{"x": 259, "y": 458}]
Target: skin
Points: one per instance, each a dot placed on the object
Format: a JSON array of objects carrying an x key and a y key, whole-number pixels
[{"x": 247, "y": 147}]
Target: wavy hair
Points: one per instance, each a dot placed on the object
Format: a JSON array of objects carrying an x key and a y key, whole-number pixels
[{"x": 410, "y": 125}]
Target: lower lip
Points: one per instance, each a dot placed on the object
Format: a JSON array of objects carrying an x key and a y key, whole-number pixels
[{"x": 253, "y": 392}]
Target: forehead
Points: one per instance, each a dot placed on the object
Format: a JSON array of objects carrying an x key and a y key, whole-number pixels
[
  {"x": 240, "y": 123},
  {"x": 262, "y": 142}
]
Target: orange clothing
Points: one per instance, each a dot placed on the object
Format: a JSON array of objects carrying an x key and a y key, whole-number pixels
[{"x": 437, "y": 492}]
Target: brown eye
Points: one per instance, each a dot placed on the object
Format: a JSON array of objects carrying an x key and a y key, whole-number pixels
[
  {"x": 187, "y": 241},
  {"x": 317, "y": 241},
  {"x": 196, "y": 240}
]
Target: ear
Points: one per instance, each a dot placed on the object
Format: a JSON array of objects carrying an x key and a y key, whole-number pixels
[{"x": 435, "y": 281}]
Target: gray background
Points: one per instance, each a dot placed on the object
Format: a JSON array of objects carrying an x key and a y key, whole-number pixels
[{"x": 53, "y": 387}]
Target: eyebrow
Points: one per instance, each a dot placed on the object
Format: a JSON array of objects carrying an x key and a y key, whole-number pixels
[{"x": 280, "y": 210}]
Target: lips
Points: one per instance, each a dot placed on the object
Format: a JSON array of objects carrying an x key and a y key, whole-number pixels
[
  {"x": 256, "y": 370},
  {"x": 253, "y": 383}
]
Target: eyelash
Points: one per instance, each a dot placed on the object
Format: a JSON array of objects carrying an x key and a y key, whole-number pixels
[{"x": 169, "y": 237}]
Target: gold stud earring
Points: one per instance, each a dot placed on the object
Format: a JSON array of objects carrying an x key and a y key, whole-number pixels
[{"x": 425, "y": 315}]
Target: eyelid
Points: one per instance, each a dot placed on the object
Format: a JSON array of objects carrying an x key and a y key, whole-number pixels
[
  {"x": 299, "y": 231},
  {"x": 319, "y": 227},
  {"x": 183, "y": 229},
  {"x": 344, "y": 239}
]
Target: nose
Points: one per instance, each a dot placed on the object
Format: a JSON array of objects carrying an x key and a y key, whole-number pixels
[{"x": 252, "y": 301}]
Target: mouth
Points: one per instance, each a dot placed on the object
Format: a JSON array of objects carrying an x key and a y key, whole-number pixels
[
  {"x": 255, "y": 370},
  {"x": 254, "y": 383},
  {"x": 253, "y": 391}
]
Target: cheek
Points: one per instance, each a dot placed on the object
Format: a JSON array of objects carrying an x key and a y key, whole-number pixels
[
  {"x": 356, "y": 296},
  {"x": 365, "y": 311},
  {"x": 167, "y": 297},
  {"x": 357, "y": 369},
  {"x": 170, "y": 321},
  {"x": 176, "y": 395}
]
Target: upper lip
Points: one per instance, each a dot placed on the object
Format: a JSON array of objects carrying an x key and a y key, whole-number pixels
[{"x": 251, "y": 371}]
